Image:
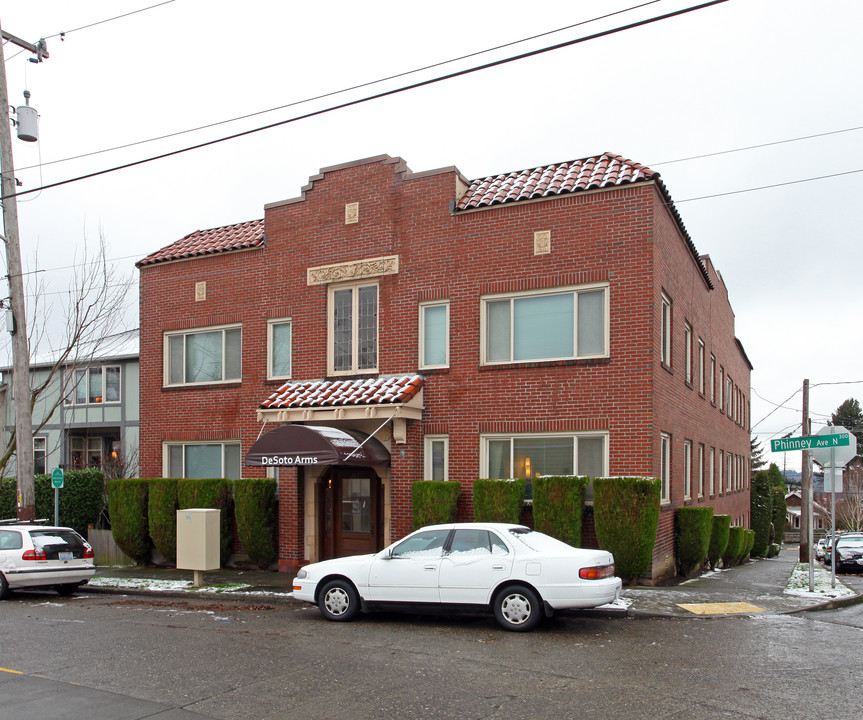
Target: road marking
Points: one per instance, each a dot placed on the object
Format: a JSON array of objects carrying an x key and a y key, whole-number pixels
[
  {"x": 720, "y": 608},
  {"x": 14, "y": 672}
]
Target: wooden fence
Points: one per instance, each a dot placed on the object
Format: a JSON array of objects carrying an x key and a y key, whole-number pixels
[{"x": 105, "y": 550}]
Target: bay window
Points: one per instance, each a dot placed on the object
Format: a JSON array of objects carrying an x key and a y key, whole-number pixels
[{"x": 212, "y": 355}]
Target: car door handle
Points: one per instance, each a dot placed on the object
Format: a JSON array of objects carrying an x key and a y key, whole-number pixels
[
  {"x": 430, "y": 567},
  {"x": 498, "y": 567}
]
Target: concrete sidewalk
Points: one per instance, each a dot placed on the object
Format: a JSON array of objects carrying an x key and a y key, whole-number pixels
[{"x": 756, "y": 587}]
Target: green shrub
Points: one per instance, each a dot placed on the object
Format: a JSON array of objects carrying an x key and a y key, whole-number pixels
[
  {"x": 779, "y": 511},
  {"x": 498, "y": 500},
  {"x": 694, "y": 525},
  {"x": 80, "y": 501},
  {"x": 127, "y": 504},
  {"x": 255, "y": 512},
  {"x": 734, "y": 548},
  {"x": 163, "y": 517},
  {"x": 8, "y": 498},
  {"x": 718, "y": 539},
  {"x": 558, "y": 506},
  {"x": 626, "y": 515},
  {"x": 748, "y": 542},
  {"x": 212, "y": 493},
  {"x": 761, "y": 509},
  {"x": 434, "y": 502}
]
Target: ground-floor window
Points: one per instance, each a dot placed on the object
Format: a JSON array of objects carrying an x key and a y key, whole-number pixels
[
  {"x": 436, "y": 457},
  {"x": 203, "y": 460},
  {"x": 85, "y": 452},
  {"x": 39, "y": 453},
  {"x": 526, "y": 456},
  {"x": 665, "y": 467}
]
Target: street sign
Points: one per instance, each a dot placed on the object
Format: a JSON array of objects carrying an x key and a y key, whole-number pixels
[
  {"x": 813, "y": 442},
  {"x": 57, "y": 479},
  {"x": 838, "y": 453}
]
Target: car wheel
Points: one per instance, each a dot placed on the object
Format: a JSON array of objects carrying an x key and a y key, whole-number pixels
[
  {"x": 517, "y": 608},
  {"x": 67, "y": 589},
  {"x": 339, "y": 601},
  {"x": 4, "y": 587}
]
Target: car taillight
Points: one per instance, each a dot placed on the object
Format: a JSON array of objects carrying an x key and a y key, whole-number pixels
[
  {"x": 88, "y": 553},
  {"x": 596, "y": 573},
  {"x": 37, "y": 554}
]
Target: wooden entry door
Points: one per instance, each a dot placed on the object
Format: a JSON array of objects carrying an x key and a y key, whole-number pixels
[{"x": 350, "y": 511}]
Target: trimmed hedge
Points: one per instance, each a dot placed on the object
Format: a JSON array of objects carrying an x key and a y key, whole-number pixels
[
  {"x": 748, "y": 542},
  {"x": 626, "y": 515},
  {"x": 718, "y": 539},
  {"x": 8, "y": 498},
  {"x": 162, "y": 517},
  {"x": 558, "y": 506},
  {"x": 779, "y": 511},
  {"x": 761, "y": 509},
  {"x": 212, "y": 493},
  {"x": 734, "y": 548},
  {"x": 127, "y": 504},
  {"x": 434, "y": 502},
  {"x": 255, "y": 513},
  {"x": 694, "y": 525},
  {"x": 498, "y": 500}
]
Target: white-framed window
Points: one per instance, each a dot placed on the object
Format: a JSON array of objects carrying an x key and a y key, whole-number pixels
[
  {"x": 719, "y": 474},
  {"x": 687, "y": 348},
  {"x": 728, "y": 471},
  {"x": 279, "y": 336},
  {"x": 85, "y": 452},
  {"x": 436, "y": 457},
  {"x": 665, "y": 467},
  {"x": 700, "y": 366},
  {"x": 721, "y": 389},
  {"x": 559, "y": 324},
  {"x": 700, "y": 470},
  {"x": 665, "y": 331},
  {"x": 687, "y": 469},
  {"x": 712, "y": 378},
  {"x": 93, "y": 385},
  {"x": 353, "y": 328},
  {"x": 729, "y": 396},
  {"x": 40, "y": 453},
  {"x": 202, "y": 460},
  {"x": 434, "y": 334},
  {"x": 206, "y": 355},
  {"x": 529, "y": 455},
  {"x": 711, "y": 474}
]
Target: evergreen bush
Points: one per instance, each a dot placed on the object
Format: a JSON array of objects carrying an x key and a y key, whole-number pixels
[
  {"x": 694, "y": 525},
  {"x": 212, "y": 493},
  {"x": 779, "y": 505},
  {"x": 558, "y": 506},
  {"x": 255, "y": 512},
  {"x": 626, "y": 515},
  {"x": 718, "y": 539},
  {"x": 498, "y": 500},
  {"x": 8, "y": 498},
  {"x": 79, "y": 503},
  {"x": 734, "y": 548},
  {"x": 128, "y": 504},
  {"x": 761, "y": 511},
  {"x": 163, "y": 517},
  {"x": 434, "y": 502},
  {"x": 748, "y": 543}
]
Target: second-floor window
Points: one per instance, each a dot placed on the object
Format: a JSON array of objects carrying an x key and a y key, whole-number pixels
[
  {"x": 203, "y": 356},
  {"x": 665, "y": 331},
  {"x": 279, "y": 349},
  {"x": 94, "y": 385},
  {"x": 353, "y": 328},
  {"x": 557, "y": 325},
  {"x": 434, "y": 335}
]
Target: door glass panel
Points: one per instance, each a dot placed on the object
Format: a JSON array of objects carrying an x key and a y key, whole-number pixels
[
  {"x": 356, "y": 504},
  {"x": 426, "y": 544}
]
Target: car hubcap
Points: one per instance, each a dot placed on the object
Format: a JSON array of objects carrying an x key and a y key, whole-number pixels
[
  {"x": 515, "y": 609},
  {"x": 336, "y": 601}
]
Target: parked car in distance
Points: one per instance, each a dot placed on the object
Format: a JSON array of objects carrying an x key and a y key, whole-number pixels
[
  {"x": 849, "y": 552},
  {"x": 517, "y": 573},
  {"x": 39, "y": 556},
  {"x": 819, "y": 548}
]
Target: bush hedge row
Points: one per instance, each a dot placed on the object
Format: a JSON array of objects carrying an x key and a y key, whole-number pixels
[
  {"x": 498, "y": 500},
  {"x": 558, "y": 506},
  {"x": 694, "y": 528},
  {"x": 721, "y": 528},
  {"x": 434, "y": 502}
]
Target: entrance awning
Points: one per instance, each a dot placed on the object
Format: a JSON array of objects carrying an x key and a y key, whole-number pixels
[{"x": 300, "y": 445}]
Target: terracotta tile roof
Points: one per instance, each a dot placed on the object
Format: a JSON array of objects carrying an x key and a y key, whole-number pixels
[
  {"x": 329, "y": 393},
  {"x": 587, "y": 174},
  {"x": 207, "y": 242}
]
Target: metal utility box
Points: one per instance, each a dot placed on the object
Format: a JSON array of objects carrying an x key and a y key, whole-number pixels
[{"x": 198, "y": 539}]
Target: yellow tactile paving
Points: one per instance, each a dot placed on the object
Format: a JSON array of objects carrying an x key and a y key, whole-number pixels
[{"x": 720, "y": 608}]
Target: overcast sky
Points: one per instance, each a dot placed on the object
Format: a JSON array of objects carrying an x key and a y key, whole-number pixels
[{"x": 735, "y": 75}]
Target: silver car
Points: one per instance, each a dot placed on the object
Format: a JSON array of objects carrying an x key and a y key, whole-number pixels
[{"x": 39, "y": 556}]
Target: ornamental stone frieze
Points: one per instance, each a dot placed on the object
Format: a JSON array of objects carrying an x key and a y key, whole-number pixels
[{"x": 357, "y": 270}]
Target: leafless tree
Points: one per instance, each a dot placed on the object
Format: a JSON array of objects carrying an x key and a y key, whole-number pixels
[{"x": 849, "y": 505}]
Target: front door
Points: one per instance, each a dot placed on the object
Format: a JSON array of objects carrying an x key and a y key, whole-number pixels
[{"x": 349, "y": 512}]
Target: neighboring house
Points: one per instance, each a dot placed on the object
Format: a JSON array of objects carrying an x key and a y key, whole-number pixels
[
  {"x": 794, "y": 510},
  {"x": 88, "y": 414},
  {"x": 557, "y": 320}
]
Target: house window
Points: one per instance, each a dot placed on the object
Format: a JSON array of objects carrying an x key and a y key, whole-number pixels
[
  {"x": 721, "y": 389},
  {"x": 700, "y": 470},
  {"x": 687, "y": 346},
  {"x": 719, "y": 474},
  {"x": 434, "y": 335},
  {"x": 203, "y": 356},
  {"x": 526, "y": 456},
  {"x": 712, "y": 379},
  {"x": 94, "y": 385},
  {"x": 711, "y": 476},
  {"x": 687, "y": 469},
  {"x": 556, "y": 325},
  {"x": 85, "y": 451},
  {"x": 353, "y": 328},
  {"x": 279, "y": 349},
  {"x": 701, "y": 366},
  {"x": 436, "y": 457},
  {"x": 728, "y": 470},
  {"x": 729, "y": 396},
  {"x": 665, "y": 350},
  {"x": 203, "y": 460},
  {"x": 665, "y": 468},
  {"x": 39, "y": 455}
]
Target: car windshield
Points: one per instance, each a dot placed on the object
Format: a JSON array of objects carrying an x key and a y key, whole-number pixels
[
  {"x": 850, "y": 542},
  {"x": 537, "y": 541}
]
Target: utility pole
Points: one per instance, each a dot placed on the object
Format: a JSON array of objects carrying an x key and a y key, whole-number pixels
[
  {"x": 18, "y": 325},
  {"x": 806, "y": 535}
]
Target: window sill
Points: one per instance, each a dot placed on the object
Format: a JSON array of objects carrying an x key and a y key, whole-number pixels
[
  {"x": 582, "y": 362},
  {"x": 204, "y": 386}
]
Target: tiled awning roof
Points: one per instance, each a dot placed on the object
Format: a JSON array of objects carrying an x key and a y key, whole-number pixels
[
  {"x": 399, "y": 389},
  {"x": 567, "y": 177},
  {"x": 241, "y": 236}
]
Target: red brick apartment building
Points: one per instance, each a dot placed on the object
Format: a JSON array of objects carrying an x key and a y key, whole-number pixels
[{"x": 388, "y": 326}]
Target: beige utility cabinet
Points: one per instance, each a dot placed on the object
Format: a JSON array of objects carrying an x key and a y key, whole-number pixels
[{"x": 198, "y": 539}]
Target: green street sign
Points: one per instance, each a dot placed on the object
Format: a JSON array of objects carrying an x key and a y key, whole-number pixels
[
  {"x": 57, "y": 478},
  {"x": 810, "y": 442}
]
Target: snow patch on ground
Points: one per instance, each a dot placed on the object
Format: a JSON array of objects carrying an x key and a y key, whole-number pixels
[
  {"x": 180, "y": 585},
  {"x": 798, "y": 584}
]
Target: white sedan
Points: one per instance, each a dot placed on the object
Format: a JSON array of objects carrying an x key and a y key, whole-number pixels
[{"x": 519, "y": 573}]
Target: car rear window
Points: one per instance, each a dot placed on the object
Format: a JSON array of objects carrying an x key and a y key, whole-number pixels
[
  {"x": 538, "y": 542},
  {"x": 42, "y": 538},
  {"x": 855, "y": 542}
]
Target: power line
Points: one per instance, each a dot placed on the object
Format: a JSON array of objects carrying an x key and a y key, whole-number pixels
[{"x": 377, "y": 96}]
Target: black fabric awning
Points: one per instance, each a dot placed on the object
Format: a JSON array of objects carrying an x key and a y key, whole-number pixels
[{"x": 293, "y": 445}]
